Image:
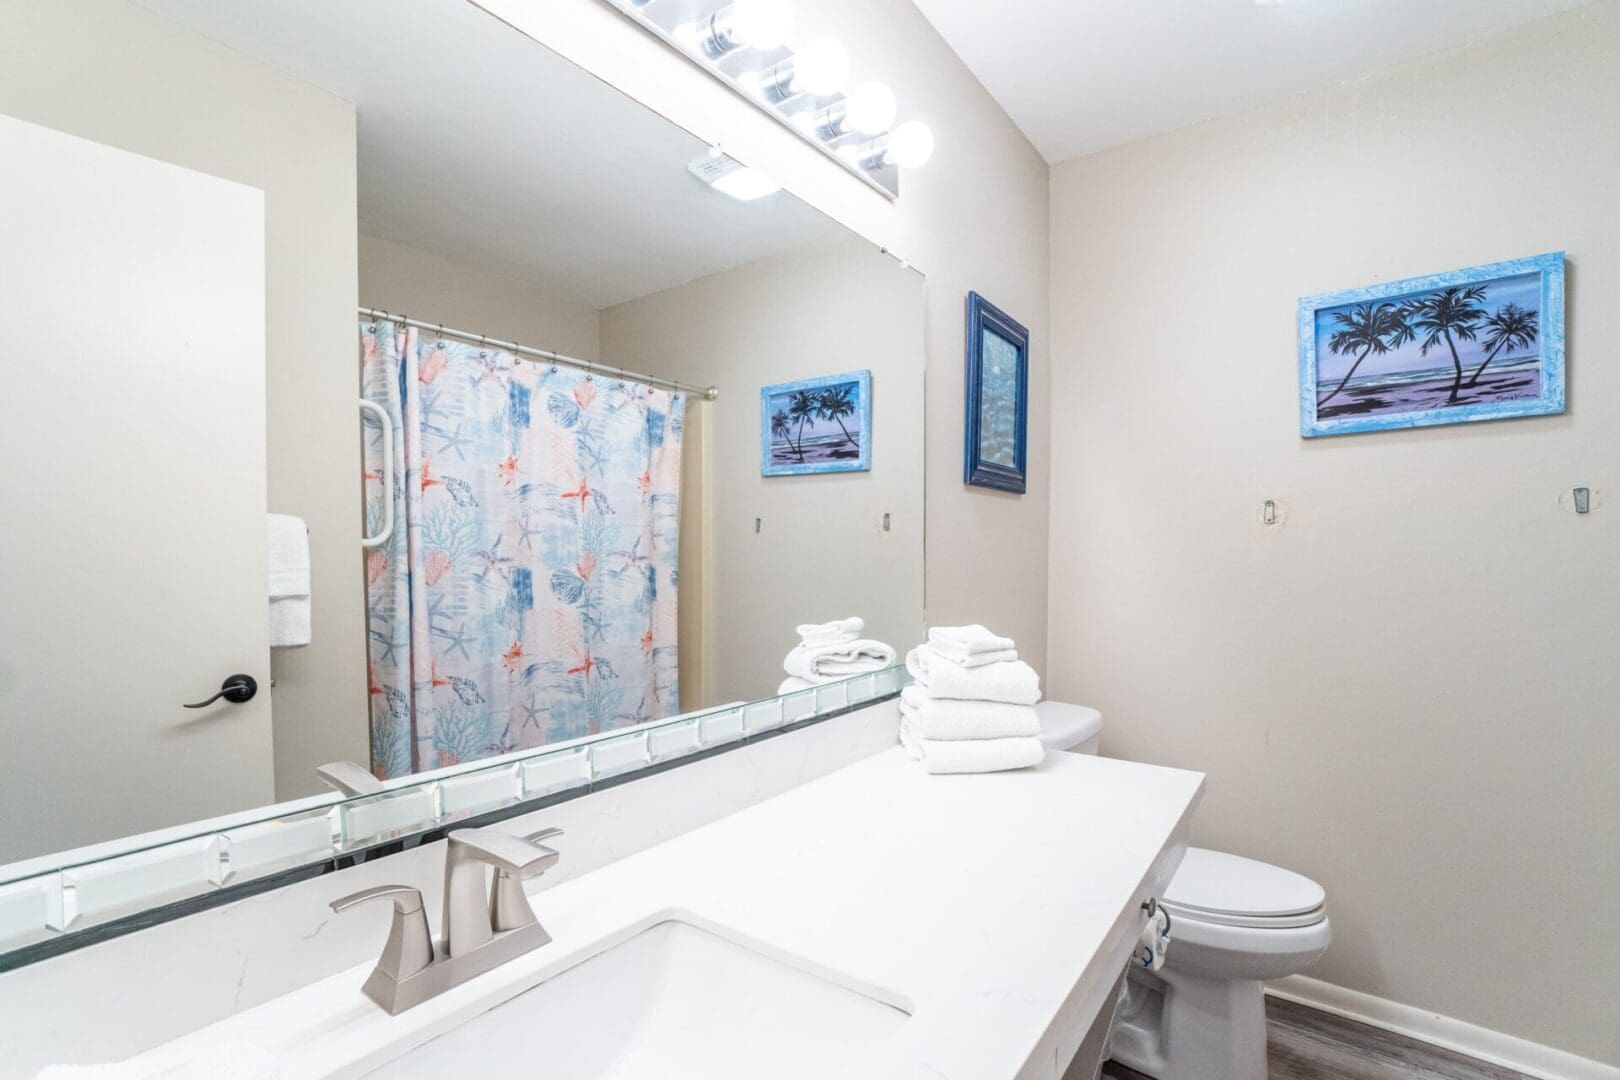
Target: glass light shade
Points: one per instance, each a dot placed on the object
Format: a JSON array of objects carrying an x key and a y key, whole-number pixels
[
  {"x": 747, "y": 184},
  {"x": 870, "y": 108},
  {"x": 761, "y": 24},
  {"x": 821, "y": 67},
  {"x": 911, "y": 144}
]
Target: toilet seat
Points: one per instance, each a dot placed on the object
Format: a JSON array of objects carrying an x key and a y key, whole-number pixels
[{"x": 1218, "y": 889}]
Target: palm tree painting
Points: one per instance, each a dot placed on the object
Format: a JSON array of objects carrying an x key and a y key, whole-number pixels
[
  {"x": 1478, "y": 344},
  {"x": 816, "y": 425}
]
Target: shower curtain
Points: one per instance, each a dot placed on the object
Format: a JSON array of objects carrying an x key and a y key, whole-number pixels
[{"x": 528, "y": 592}]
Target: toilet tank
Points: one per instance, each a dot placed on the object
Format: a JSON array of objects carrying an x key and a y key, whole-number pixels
[{"x": 1074, "y": 728}]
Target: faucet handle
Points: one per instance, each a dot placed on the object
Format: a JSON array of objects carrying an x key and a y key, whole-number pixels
[
  {"x": 509, "y": 907},
  {"x": 409, "y": 948},
  {"x": 349, "y": 779},
  {"x": 517, "y": 856},
  {"x": 406, "y": 899}
]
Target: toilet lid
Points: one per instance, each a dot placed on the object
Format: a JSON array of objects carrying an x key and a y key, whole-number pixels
[
  {"x": 1215, "y": 886},
  {"x": 1065, "y": 726}
]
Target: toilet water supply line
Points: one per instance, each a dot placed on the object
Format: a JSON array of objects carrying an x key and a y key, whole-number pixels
[{"x": 1154, "y": 941}]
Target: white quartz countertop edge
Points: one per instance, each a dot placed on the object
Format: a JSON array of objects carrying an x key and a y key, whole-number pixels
[{"x": 997, "y": 909}]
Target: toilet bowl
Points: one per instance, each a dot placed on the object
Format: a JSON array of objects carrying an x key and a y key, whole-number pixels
[{"x": 1235, "y": 923}]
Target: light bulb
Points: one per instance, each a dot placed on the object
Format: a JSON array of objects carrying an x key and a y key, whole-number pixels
[
  {"x": 821, "y": 67},
  {"x": 911, "y": 144},
  {"x": 761, "y": 24},
  {"x": 870, "y": 108}
]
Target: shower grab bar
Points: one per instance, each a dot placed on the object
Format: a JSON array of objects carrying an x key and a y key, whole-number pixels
[{"x": 387, "y": 424}]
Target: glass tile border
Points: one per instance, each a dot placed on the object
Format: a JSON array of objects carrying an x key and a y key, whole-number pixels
[{"x": 60, "y": 910}]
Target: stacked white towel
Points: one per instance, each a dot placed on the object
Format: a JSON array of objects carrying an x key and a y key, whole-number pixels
[
  {"x": 830, "y": 651},
  {"x": 970, "y": 708}
]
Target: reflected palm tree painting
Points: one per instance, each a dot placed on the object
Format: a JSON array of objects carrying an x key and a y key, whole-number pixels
[
  {"x": 816, "y": 425},
  {"x": 1485, "y": 343}
]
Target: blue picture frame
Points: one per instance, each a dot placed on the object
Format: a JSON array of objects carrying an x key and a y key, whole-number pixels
[
  {"x": 997, "y": 393},
  {"x": 1498, "y": 330},
  {"x": 828, "y": 425}
]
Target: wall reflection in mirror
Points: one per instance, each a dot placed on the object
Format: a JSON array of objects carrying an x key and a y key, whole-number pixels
[{"x": 363, "y": 351}]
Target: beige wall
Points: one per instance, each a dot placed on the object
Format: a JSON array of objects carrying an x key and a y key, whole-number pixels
[
  {"x": 407, "y": 280},
  {"x": 1405, "y": 690},
  {"x": 109, "y": 71},
  {"x": 820, "y": 553},
  {"x": 975, "y": 218}
]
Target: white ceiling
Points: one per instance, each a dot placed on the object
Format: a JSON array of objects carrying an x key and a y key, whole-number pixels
[
  {"x": 1083, "y": 75},
  {"x": 481, "y": 145}
]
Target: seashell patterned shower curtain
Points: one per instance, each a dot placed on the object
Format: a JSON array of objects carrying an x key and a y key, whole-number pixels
[{"x": 528, "y": 592}]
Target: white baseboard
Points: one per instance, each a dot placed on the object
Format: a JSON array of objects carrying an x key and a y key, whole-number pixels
[{"x": 1465, "y": 1038}]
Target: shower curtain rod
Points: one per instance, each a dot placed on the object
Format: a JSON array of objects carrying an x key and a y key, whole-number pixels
[{"x": 708, "y": 393}]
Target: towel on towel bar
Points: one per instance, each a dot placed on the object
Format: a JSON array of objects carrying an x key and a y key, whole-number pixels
[
  {"x": 971, "y": 646},
  {"x": 288, "y": 566},
  {"x": 818, "y": 663},
  {"x": 1011, "y": 681},
  {"x": 950, "y": 719}
]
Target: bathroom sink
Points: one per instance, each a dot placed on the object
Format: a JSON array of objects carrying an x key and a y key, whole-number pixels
[{"x": 674, "y": 1002}]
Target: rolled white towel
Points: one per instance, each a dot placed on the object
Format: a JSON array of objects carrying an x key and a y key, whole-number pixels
[
  {"x": 942, "y": 756},
  {"x": 793, "y": 684},
  {"x": 971, "y": 646},
  {"x": 951, "y": 718},
  {"x": 818, "y": 663},
  {"x": 830, "y": 633},
  {"x": 1010, "y": 681}
]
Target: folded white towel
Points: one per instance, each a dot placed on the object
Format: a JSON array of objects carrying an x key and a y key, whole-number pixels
[
  {"x": 831, "y": 633},
  {"x": 818, "y": 663},
  {"x": 288, "y": 584},
  {"x": 949, "y": 718},
  {"x": 1011, "y": 681},
  {"x": 971, "y": 646},
  {"x": 942, "y": 756},
  {"x": 90, "y": 1072},
  {"x": 793, "y": 684}
]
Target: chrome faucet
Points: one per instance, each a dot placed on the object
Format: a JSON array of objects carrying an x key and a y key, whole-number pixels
[{"x": 481, "y": 930}]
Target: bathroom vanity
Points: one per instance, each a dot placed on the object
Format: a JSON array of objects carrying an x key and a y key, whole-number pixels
[{"x": 876, "y": 922}]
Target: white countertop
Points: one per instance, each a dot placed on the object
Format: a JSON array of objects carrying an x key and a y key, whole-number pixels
[{"x": 1001, "y": 908}]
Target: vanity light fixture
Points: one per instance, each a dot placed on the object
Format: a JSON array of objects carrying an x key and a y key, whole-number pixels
[
  {"x": 911, "y": 145},
  {"x": 731, "y": 177},
  {"x": 752, "y": 24},
  {"x": 908, "y": 146},
  {"x": 868, "y": 110},
  {"x": 819, "y": 69},
  {"x": 744, "y": 44}
]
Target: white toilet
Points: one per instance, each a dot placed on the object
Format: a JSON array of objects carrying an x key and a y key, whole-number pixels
[{"x": 1235, "y": 923}]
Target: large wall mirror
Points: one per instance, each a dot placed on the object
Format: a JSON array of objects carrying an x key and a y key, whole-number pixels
[{"x": 357, "y": 392}]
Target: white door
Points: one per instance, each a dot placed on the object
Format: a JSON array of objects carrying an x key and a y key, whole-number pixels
[{"x": 132, "y": 492}]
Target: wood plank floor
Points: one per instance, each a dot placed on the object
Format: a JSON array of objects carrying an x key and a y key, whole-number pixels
[{"x": 1305, "y": 1044}]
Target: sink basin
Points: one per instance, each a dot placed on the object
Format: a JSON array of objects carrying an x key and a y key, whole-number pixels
[{"x": 674, "y": 1002}]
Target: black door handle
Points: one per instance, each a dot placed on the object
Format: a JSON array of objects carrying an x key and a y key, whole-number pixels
[{"x": 235, "y": 689}]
